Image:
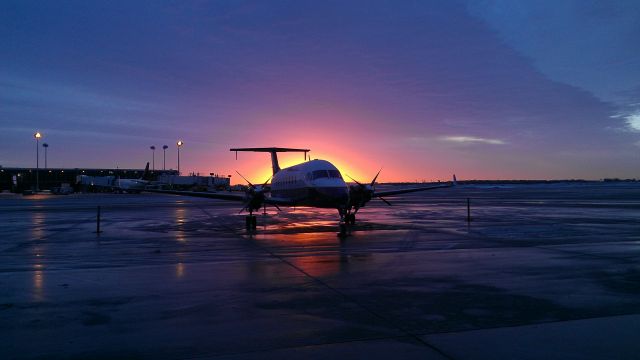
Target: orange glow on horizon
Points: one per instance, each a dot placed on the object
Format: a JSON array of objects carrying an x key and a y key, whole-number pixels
[
  {"x": 334, "y": 136},
  {"x": 361, "y": 166}
]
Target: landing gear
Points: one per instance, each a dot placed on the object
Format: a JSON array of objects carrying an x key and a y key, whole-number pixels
[
  {"x": 343, "y": 230},
  {"x": 345, "y": 220},
  {"x": 251, "y": 222},
  {"x": 350, "y": 219}
]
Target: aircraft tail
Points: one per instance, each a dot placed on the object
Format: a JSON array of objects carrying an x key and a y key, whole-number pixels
[
  {"x": 146, "y": 174},
  {"x": 274, "y": 154}
]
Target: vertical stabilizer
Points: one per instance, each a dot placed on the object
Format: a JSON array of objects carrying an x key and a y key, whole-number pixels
[
  {"x": 145, "y": 174},
  {"x": 274, "y": 162}
]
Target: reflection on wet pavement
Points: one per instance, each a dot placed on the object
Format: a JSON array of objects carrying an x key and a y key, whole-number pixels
[{"x": 174, "y": 277}]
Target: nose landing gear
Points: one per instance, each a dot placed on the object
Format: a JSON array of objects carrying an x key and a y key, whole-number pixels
[
  {"x": 344, "y": 231},
  {"x": 350, "y": 219},
  {"x": 250, "y": 222},
  {"x": 346, "y": 219}
]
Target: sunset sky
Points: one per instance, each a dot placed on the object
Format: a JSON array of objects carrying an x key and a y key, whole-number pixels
[{"x": 424, "y": 89}]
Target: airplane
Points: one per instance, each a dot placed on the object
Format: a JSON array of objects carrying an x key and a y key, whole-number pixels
[
  {"x": 312, "y": 183},
  {"x": 133, "y": 186},
  {"x": 116, "y": 184}
]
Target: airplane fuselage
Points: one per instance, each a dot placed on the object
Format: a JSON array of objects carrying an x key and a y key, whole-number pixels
[
  {"x": 113, "y": 183},
  {"x": 316, "y": 183},
  {"x": 131, "y": 185}
]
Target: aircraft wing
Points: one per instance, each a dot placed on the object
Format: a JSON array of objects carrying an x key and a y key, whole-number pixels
[
  {"x": 422, "y": 188},
  {"x": 219, "y": 196},
  {"x": 410, "y": 190}
]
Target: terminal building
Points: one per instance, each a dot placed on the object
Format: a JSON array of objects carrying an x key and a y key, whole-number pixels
[{"x": 21, "y": 179}]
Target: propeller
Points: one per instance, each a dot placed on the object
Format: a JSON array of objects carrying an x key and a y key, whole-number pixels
[
  {"x": 360, "y": 194},
  {"x": 245, "y": 179},
  {"x": 254, "y": 195}
]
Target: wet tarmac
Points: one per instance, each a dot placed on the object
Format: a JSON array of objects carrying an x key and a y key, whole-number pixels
[{"x": 543, "y": 271}]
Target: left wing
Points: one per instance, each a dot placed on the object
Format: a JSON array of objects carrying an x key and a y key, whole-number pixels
[{"x": 410, "y": 190}]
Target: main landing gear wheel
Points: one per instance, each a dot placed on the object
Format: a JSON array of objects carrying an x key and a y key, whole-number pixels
[
  {"x": 251, "y": 222},
  {"x": 343, "y": 230}
]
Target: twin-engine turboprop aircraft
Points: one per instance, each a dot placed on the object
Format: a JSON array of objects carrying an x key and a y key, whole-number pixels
[{"x": 313, "y": 183}]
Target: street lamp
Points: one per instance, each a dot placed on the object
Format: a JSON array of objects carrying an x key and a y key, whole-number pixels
[
  {"x": 179, "y": 143},
  {"x": 37, "y": 136},
  {"x": 45, "y": 146},
  {"x": 153, "y": 157},
  {"x": 164, "y": 156}
]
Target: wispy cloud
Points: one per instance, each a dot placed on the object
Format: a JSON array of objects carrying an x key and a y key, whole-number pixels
[
  {"x": 633, "y": 120},
  {"x": 17, "y": 90},
  {"x": 472, "y": 140}
]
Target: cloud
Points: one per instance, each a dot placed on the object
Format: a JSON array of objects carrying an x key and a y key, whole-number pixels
[
  {"x": 472, "y": 140},
  {"x": 633, "y": 121},
  {"x": 593, "y": 44},
  {"x": 24, "y": 91}
]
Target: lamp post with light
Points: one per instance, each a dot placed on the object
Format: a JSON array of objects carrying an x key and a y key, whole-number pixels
[
  {"x": 153, "y": 157},
  {"x": 37, "y": 136},
  {"x": 164, "y": 156},
  {"x": 45, "y": 146},
  {"x": 179, "y": 143}
]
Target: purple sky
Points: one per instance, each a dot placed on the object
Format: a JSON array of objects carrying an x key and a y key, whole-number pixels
[{"x": 485, "y": 89}]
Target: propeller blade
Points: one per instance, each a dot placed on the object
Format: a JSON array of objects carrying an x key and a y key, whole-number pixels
[
  {"x": 277, "y": 207},
  {"x": 375, "y": 178},
  {"x": 354, "y": 180},
  {"x": 385, "y": 201},
  {"x": 265, "y": 183},
  {"x": 245, "y": 179}
]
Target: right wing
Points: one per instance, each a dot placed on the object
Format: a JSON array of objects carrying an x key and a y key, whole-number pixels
[{"x": 410, "y": 190}]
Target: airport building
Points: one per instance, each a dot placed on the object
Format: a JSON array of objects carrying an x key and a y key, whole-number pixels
[{"x": 21, "y": 179}]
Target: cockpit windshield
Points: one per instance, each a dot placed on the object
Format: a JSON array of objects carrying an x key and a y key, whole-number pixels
[{"x": 318, "y": 174}]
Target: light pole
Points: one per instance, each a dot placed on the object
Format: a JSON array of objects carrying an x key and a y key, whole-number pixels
[
  {"x": 153, "y": 157},
  {"x": 179, "y": 143},
  {"x": 45, "y": 146},
  {"x": 37, "y": 136},
  {"x": 164, "y": 157}
]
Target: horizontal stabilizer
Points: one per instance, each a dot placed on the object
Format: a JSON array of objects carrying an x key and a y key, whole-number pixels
[
  {"x": 270, "y": 149},
  {"x": 274, "y": 151}
]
